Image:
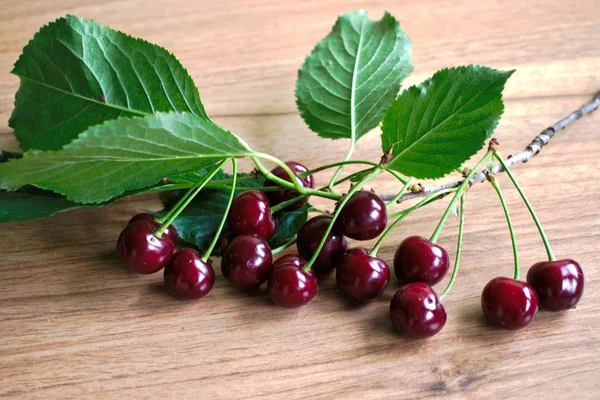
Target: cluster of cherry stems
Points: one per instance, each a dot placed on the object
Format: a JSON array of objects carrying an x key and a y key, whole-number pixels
[{"x": 147, "y": 245}]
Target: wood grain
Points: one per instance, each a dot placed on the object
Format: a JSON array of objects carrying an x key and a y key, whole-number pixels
[{"x": 75, "y": 324}]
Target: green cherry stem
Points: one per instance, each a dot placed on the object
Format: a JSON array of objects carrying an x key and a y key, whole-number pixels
[
  {"x": 458, "y": 248},
  {"x": 286, "y": 203},
  {"x": 340, "y": 207},
  {"x": 341, "y": 167},
  {"x": 224, "y": 219},
  {"x": 405, "y": 213},
  {"x": 406, "y": 186},
  {"x": 284, "y": 246},
  {"x": 294, "y": 179},
  {"x": 459, "y": 192},
  {"x": 187, "y": 198},
  {"x": 528, "y": 204},
  {"x": 336, "y": 164},
  {"x": 511, "y": 229}
]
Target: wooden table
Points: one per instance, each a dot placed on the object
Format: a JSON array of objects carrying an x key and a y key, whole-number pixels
[{"x": 75, "y": 324}]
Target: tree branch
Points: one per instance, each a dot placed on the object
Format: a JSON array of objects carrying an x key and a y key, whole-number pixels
[{"x": 530, "y": 151}]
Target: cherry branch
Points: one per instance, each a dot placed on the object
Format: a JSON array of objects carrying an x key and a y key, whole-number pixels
[{"x": 530, "y": 151}]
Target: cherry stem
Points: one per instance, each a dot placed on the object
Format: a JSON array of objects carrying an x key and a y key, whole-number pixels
[
  {"x": 286, "y": 203},
  {"x": 511, "y": 230},
  {"x": 341, "y": 167},
  {"x": 186, "y": 199},
  {"x": 340, "y": 207},
  {"x": 406, "y": 186},
  {"x": 212, "y": 245},
  {"x": 538, "y": 224},
  {"x": 405, "y": 213},
  {"x": 336, "y": 164},
  {"x": 458, "y": 248},
  {"x": 459, "y": 192},
  {"x": 284, "y": 246}
]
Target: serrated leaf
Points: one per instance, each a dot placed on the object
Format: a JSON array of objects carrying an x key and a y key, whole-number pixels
[
  {"x": 77, "y": 73},
  {"x": 122, "y": 155},
  {"x": 437, "y": 125},
  {"x": 351, "y": 76},
  {"x": 32, "y": 203}
]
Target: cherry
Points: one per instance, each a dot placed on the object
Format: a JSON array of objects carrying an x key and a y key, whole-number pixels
[
  {"x": 187, "y": 276},
  {"x": 171, "y": 232},
  {"x": 280, "y": 196},
  {"x": 416, "y": 311},
  {"x": 141, "y": 251},
  {"x": 363, "y": 217},
  {"x": 508, "y": 303},
  {"x": 290, "y": 286},
  {"x": 419, "y": 260},
  {"x": 558, "y": 284},
  {"x": 247, "y": 261},
  {"x": 289, "y": 259},
  {"x": 250, "y": 214},
  {"x": 361, "y": 276},
  {"x": 310, "y": 236}
]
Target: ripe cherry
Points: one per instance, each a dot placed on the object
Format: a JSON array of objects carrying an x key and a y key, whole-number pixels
[
  {"x": 416, "y": 311},
  {"x": 419, "y": 260},
  {"x": 289, "y": 259},
  {"x": 361, "y": 276},
  {"x": 280, "y": 196},
  {"x": 247, "y": 261},
  {"x": 558, "y": 284},
  {"x": 309, "y": 238},
  {"x": 290, "y": 286},
  {"x": 170, "y": 231},
  {"x": 187, "y": 276},
  {"x": 508, "y": 303},
  {"x": 141, "y": 251},
  {"x": 363, "y": 217},
  {"x": 250, "y": 214}
]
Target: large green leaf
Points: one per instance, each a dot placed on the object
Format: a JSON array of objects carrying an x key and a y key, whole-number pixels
[
  {"x": 122, "y": 155},
  {"x": 32, "y": 203},
  {"x": 76, "y": 73},
  {"x": 352, "y": 75},
  {"x": 437, "y": 125}
]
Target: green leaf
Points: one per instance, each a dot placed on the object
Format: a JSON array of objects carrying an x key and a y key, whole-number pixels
[
  {"x": 123, "y": 155},
  {"x": 352, "y": 75},
  {"x": 31, "y": 203},
  {"x": 437, "y": 125},
  {"x": 77, "y": 73}
]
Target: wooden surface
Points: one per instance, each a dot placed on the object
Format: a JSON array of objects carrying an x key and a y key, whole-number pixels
[{"x": 76, "y": 324}]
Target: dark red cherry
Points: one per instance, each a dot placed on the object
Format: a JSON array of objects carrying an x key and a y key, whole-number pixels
[
  {"x": 247, "y": 261},
  {"x": 416, "y": 311},
  {"x": 250, "y": 214},
  {"x": 419, "y": 260},
  {"x": 280, "y": 196},
  {"x": 363, "y": 217},
  {"x": 171, "y": 232},
  {"x": 289, "y": 259},
  {"x": 141, "y": 251},
  {"x": 508, "y": 303},
  {"x": 187, "y": 276},
  {"x": 558, "y": 284},
  {"x": 309, "y": 238},
  {"x": 361, "y": 276},
  {"x": 290, "y": 286}
]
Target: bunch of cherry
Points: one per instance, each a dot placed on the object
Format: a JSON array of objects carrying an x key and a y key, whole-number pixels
[{"x": 415, "y": 310}]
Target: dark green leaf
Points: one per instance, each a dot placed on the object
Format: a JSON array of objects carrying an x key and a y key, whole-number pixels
[
  {"x": 32, "y": 203},
  {"x": 123, "y": 155},
  {"x": 437, "y": 125},
  {"x": 352, "y": 75},
  {"x": 77, "y": 73}
]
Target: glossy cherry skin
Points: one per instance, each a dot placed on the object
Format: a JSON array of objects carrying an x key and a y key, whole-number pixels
[
  {"x": 290, "y": 286},
  {"x": 141, "y": 251},
  {"x": 280, "y": 196},
  {"x": 187, "y": 276},
  {"x": 508, "y": 303},
  {"x": 361, "y": 276},
  {"x": 416, "y": 311},
  {"x": 250, "y": 214},
  {"x": 171, "y": 232},
  {"x": 363, "y": 217},
  {"x": 558, "y": 284},
  {"x": 289, "y": 259},
  {"x": 309, "y": 238},
  {"x": 419, "y": 260},
  {"x": 247, "y": 262}
]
